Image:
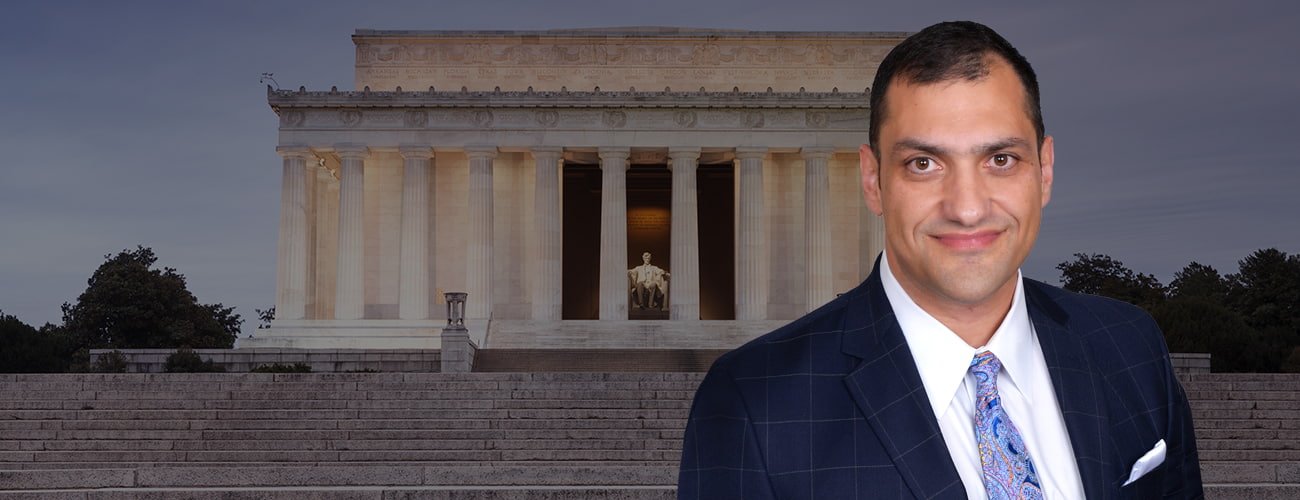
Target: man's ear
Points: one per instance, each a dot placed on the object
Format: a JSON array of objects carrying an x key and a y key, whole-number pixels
[
  {"x": 870, "y": 169},
  {"x": 1047, "y": 157}
]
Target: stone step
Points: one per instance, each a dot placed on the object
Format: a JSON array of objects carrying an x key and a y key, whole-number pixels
[
  {"x": 1286, "y": 434},
  {"x": 583, "y": 360},
  {"x": 1232, "y": 404},
  {"x": 365, "y": 414},
  {"x": 1221, "y": 414},
  {"x": 1252, "y": 491},
  {"x": 362, "y": 493},
  {"x": 150, "y": 433},
  {"x": 331, "y": 455},
  {"x": 531, "y": 401},
  {"x": 1249, "y": 455},
  {"x": 1246, "y": 423},
  {"x": 1284, "y": 383},
  {"x": 33, "y": 466},
  {"x": 1250, "y": 472},
  {"x": 1216, "y": 394},
  {"x": 539, "y": 391},
  {"x": 425, "y": 444},
  {"x": 341, "y": 475},
  {"x": 1247, "y": 444}
]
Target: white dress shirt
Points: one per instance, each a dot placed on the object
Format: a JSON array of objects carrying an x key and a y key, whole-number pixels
[{"x": 1024, "y": 384}]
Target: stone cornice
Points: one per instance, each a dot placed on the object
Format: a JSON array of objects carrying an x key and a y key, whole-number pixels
[{"x": 563, "y": 99}]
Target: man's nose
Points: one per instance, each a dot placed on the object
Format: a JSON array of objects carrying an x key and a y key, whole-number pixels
[{"x": 966, "y": 195}]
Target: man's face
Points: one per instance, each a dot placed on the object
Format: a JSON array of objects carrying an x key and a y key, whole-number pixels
[
  {"x": 645, "y": 257},
  {"x": 961, "y": 184}
]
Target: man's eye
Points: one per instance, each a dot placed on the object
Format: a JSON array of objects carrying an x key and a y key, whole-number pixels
[
  {"x": 922, "y": 164},
  {"x": 1003, "y": 160}
]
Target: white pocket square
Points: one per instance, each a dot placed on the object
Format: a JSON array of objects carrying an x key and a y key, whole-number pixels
[{"x": 1147, "y": 463}]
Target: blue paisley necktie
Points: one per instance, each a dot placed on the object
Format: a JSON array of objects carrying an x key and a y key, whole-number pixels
[{"x": 1008, "y": 471}]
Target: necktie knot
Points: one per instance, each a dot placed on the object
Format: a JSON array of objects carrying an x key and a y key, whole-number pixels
[{"x": 987, "y": 364}]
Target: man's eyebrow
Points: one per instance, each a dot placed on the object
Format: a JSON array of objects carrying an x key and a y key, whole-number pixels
[
  {"x": 913, "y": 144},
  {"x": 999, "y": 145}
]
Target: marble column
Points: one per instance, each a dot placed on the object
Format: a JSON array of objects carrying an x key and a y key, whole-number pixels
[
  {"x": 478, "y": 260},
  {"x": 613, "y": 233},
  {"x": 685, "y": 280},
  {"x": 817, "y": 225},
  {"x": 414, "y": 279},
  {"x": 350, "y": 289},
  {"x": 547, "y": 223},
  {"x": 751, "y": 249},
  {"x": 292, "y": 268}
]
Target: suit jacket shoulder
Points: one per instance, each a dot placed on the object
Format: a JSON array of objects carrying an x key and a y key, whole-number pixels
[{"x": 799, "y": 413}]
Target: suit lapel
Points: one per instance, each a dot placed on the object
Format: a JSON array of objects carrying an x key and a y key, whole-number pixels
[
  {"x": 887, "y": 387},
  {"x": 1077, "y": 384}
]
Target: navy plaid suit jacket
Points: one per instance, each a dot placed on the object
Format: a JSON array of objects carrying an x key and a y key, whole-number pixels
[{"x": 832, "y": 406}]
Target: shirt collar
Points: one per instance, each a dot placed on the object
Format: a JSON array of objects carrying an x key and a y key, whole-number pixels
[{"x": 945, "y": 359}]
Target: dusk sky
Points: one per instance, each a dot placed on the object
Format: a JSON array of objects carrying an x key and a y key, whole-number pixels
[{"x": 1177, "y": 125}]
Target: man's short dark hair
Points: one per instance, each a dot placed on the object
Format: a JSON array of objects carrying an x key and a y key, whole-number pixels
[{"x": 945, "y": 52}]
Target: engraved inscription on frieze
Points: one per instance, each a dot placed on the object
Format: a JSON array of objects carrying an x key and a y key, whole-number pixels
[
  {"x": 684, "y": 119},
  {"x": 547, "y": 118},
  {"x": 350, "y": 117},
  {"x": 481, "y": 118},
  {"x": 547, "y": 61},
  {"x": 614, "y": 119},
  {"x": 417, "y": 119}
]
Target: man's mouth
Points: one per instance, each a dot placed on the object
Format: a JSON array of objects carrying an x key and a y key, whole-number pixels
[{"x": 966, "y": 242}]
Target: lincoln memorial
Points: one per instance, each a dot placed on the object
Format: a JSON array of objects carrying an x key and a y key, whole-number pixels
[{"x": 616, "y": 188}]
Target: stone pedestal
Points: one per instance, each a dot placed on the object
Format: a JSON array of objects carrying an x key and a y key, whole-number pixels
[
  {"x": 457, "y": 355},
  {"x": 349, "y": 302},
  {"x": 613, "y": 233},
  {"x": 685, "y": 235}
]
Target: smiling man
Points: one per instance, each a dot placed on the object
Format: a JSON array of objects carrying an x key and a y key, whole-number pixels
[{"x": 946, "y": 374}]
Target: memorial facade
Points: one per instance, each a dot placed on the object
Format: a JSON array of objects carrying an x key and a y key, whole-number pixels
[{"x": 536, "y": 171}]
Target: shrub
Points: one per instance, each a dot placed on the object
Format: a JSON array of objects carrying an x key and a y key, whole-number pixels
[
  {"x": 185, "y": 360},
  {"x": 111, "y": 362},
  {"x": 299, "y": 367}
]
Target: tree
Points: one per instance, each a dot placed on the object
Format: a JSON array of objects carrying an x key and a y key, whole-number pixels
[
  {"x": 1199, "y": 280},
  {"x": 128, "y": 304},
  {"x": 1202, "y": 324},
  {"x": 1101, "y": 275},
  {"x": 1266, "y": 292},
  {"x": 24, "y": 349},
  {"x": 265, "y": 317}
]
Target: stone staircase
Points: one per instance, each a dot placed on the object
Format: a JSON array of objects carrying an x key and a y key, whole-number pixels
[
  {"x": 1248, "y": 433},
  {"x": 458, "y": 436}
]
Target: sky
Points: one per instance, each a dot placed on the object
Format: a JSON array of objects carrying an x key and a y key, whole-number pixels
[{"x": 144, "y": 123}]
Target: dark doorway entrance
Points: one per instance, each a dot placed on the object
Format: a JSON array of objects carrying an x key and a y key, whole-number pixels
[
  {"x": 581, "y": 261},
  {"x": 717, "y": 194}
]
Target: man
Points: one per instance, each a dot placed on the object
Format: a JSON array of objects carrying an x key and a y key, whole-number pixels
[
  {"x": 945, "y": 374},
  {"x": 649, "y": 283}
]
